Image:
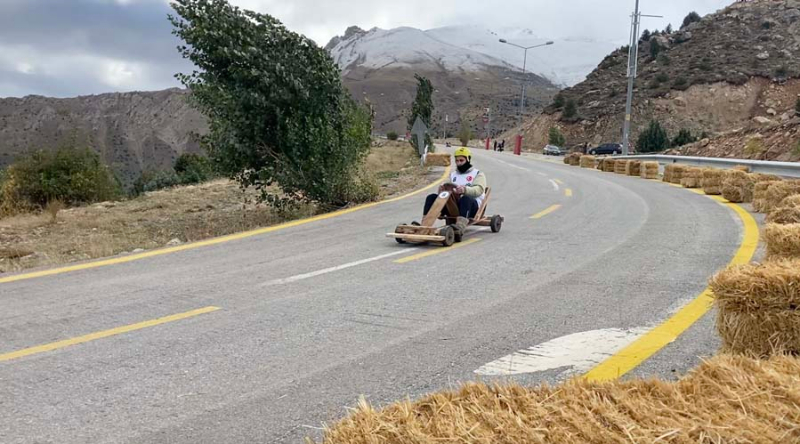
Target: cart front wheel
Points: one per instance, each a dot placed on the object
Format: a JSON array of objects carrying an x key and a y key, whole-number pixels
[{"x": 496, "y": 223}]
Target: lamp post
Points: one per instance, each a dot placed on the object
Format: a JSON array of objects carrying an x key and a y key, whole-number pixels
[{"x": 518, "y": 144}]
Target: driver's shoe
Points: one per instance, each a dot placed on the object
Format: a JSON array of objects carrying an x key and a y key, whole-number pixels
[{"x": 460, "y": 226}]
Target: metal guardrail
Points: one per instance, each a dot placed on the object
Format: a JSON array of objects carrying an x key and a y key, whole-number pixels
[{"x": 786, "y": 169}]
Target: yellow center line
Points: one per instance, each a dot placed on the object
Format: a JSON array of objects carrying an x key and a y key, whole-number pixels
[
  {"x": 103, "y": 334},
  {"x": 637, "y": 352},
  {"x": 559, "y": 182},
  {"x": 545, "y": 212},
  {"x": 435, "y": 251},
  {"x": 568, "y": 192},
  {"x": 214, "y": 241}
]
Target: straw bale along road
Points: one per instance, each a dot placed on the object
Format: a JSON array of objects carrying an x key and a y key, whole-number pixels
[{"x": 302, "y": 321}]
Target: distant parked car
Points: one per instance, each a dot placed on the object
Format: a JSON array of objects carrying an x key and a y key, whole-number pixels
[
  {"x": 606, "y": 148},
  {"x": 552, "y": 150}
]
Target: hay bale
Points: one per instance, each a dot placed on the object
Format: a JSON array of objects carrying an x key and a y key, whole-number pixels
[
  {"x": 757, "y": 308},
  {"x": 726, "y": 399},
  {"x": 633, "y": 168},
  {"x": 789, "y": 214},
  {"x": 668, "y": 173},
  {"x": 587, "y": 161},
  {"x": 778, "y": 191},
  {"x": 692, "y": 177},
  {"x": 620, "y": 165},
  {"x": 783, "y": 241},
  {"x": 677, "y": 173},
  {"x": 609, "y": 165},
  {"x": 791, "y": 201},
  {"x": 743, "y": 168},
  {"x": 566, "y": 159},
  {"x": 763, "y": 182},
  {"x": 712, "y": 181},
  {"x": 734, "y": 185},
  {"x": 437, "y": 159},
  {"x": 649, "y": 170}
]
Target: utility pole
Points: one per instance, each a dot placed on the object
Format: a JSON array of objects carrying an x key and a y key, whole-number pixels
[
  {"x": 518, "y": 144},
  {"x": 633, "y": 66}
]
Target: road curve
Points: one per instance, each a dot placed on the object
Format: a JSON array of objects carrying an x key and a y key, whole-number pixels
[{"x": 312, "y": 316}]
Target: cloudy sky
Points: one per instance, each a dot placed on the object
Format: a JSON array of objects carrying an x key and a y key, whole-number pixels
[{"x": 65, "y": 48}]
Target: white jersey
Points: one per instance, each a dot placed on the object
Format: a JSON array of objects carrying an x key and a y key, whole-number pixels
[{"x": 466, "y": 179}]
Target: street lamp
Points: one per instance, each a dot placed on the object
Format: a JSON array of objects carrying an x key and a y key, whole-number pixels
[{"x": 518, "y": 146}]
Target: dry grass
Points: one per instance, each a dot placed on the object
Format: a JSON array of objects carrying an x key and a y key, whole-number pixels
[
  {"x": 757, "y": 307},
  {"x": 783, "y": 240},
  {"x": 726, "y": 399},
  {"x": 649, "y": 170},
  {"x": 188, "y": 214}
]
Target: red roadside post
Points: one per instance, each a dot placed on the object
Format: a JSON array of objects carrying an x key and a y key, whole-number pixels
[{"x": 518, "y": 145}]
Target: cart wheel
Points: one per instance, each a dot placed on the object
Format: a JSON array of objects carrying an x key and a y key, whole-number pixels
[
  {"x": 456, "y": 235},
  {"x": 449, "y": 235},
  {"x": 496, "y": 223},
  {"x": 399, "y": 241}
]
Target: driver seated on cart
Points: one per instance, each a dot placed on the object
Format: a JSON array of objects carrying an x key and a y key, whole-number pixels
[{"x": 469, "y": 192}]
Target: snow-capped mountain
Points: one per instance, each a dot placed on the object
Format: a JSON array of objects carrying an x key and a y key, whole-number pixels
[{"x": 469, "y": 48}]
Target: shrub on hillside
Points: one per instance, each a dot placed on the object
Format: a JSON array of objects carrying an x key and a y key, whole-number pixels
[
  {"x": 654, "y": 138},
  {"x": 391, "y": 135},
  {"x": 152, "y": 180},
  {"x": 555, "y": 137},
  {"x": 689, "y": 19},
  {"x": 194, "y": 168},
  {"x": 70, "y": 175},
  {"x": 570, "y": 109},
  {"x": 684, "y": 137}
]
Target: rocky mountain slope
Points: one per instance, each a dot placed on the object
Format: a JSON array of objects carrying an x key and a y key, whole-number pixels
[
  {"x": 379, "y": 65},
  {"x": 732, "y": 70},
  {"x": 133, "y": 132}
]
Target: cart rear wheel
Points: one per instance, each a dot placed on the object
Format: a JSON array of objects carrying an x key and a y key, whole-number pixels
[
  {"x": 449, "y": 235},
  {"x": 496, "y": 223}
]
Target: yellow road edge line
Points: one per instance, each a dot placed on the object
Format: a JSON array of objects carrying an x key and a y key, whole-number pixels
[
  {"x": 646, "y": 346},
  {"x": 568, "y": 192},
  {"x": 213, "y": 241},
  {"x": 435, "y": 251},
  {"x": 545, "y": 212},
  {"x": 103, "y": 334}
]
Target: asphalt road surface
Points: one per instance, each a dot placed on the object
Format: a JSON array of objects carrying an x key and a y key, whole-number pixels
[{"x": 304, "y": 320}]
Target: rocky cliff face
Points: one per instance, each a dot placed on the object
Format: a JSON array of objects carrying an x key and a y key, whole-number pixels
[
  {"x": 133, "y": 132},
  {"x": 732, "y": 70}
]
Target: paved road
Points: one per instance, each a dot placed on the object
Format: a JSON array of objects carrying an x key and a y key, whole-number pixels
[{"x": 311, "y": 317}]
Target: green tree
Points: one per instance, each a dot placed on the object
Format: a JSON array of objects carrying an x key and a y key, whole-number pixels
[
  {"x": 646, "y": 35},
  {"x": 556, "y": 138},
  {"x": 278, "y": 114},
  {"x": 422, "y": 107},
  {"x": 464, "y": 133},
  {"x": 655, "y": 48},
  {"x": 654, "y": 138},
  {"x": 691, "y": 18},
  {"x": 570, "y": 109},
  {"x": 558, "y": 101},
  {"x": 194, "y": 168},
  {"x": 683, "y": 137},
  {"x": 668, "y": 29},
  {"x": 391, "y": 135}
]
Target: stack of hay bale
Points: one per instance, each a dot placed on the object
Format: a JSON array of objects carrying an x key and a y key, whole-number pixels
[
  {"x": 763, "y": 182},
  {"x": 778, "y": 191},
  {"x": 608, "y": 165},
  {"x": 649, "y": 170},
  {"x": 712, "y": 181},
  {"x": 574, "y": 159},
  {"x": 758, "y": 303},
  {"x": 620, "y": 165},
  {"x": 677, "y": 174},
  {"x": 735, "y": 185},
  {"x": 692, "y": 178},
  {"x": 437, "y": 159},
  {"x": 668, "y": 173},
  {"x": 587, "y": 161},
  {"x": 788, "y": 212},
  {"x": 633, "y": 168}
]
